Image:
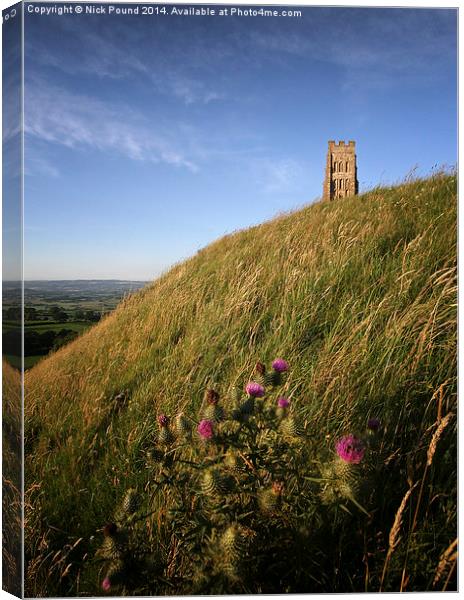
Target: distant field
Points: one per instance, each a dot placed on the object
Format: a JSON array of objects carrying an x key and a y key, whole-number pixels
[
  {"x": 55, "y": 312},
  {"x": 74, "y": 325},
  {"x": 50, "y": 325}
]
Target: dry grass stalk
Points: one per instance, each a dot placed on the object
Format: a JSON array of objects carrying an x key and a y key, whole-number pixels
[
  {"x": 436, "y": 436},
  {"x": 447, "y": 559},
  {"x": 394, "y": 537}
]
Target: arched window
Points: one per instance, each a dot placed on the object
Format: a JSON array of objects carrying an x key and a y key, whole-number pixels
[
  {"x": 347, "y": 169},
  {"x": 341, "y": 166}
]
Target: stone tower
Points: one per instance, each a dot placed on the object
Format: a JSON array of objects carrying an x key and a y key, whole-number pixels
[{"x": 341, "y": 172}]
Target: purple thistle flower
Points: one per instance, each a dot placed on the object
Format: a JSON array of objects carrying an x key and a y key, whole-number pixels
[
  {"x": 283, "y": 402},
  {"x": 163, "y": 420},
  {"x": 106, "y": 584},
  {"x": 350, "y": 449},
  {"x": 373, "y": 424},
  {"x": 280, "y": 365},
  {"x": 205, "y": 429},
  {"x": 254, "y": 389}
]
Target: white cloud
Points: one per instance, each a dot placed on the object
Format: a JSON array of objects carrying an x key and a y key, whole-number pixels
[
  {"x": 76, "y": 121},
  {"x": 101, "y": 54},
  {"x": 280, "y": 175}
]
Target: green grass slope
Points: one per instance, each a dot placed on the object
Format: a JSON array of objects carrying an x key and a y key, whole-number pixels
[{"x": 358, "y": 295}]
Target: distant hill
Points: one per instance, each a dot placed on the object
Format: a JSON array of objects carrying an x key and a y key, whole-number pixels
[{"x": 358, "y": 295}]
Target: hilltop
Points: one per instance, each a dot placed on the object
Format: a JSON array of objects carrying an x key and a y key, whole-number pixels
[{"x": 358, "y": 295}]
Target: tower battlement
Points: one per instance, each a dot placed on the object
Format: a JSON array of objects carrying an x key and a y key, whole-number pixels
[
  {"x": 341, "y": 172},
  {"x": 341, "y": 144}
]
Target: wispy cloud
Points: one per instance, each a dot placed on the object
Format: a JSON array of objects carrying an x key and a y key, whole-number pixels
[
  {"x": 278, "y": 175},
  {"x": 161, "y": 65},
  {"x": 372, "y": 48},
  {"x": 57, "y": 116}
]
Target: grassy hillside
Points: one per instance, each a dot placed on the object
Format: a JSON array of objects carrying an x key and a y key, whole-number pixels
[
  {"x": 11, "y": 479},
  {"x": 358, "y": 295}
]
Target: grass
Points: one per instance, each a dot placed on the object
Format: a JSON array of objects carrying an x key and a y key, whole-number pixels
[
  {"x": 358, "y": 295},
  {"x": 11, "y": 479}
]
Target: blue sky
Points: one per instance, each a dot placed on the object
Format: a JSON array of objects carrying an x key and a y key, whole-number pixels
[{"x": 149, "y": 137}]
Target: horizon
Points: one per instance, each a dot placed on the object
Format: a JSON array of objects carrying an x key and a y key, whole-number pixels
[{"x": 147, "y": 139}]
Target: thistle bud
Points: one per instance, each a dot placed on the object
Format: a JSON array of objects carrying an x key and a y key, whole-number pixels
[
  {"x": 131, "y": 502},
  {"x": 269, "y": 500},
  {"x": 233, "y": 544},
  {"x": 214, "y": 482},
  {"x": 163, "y": 420},
  {"x": 182, "y": 425},
  {"x": 211, "y": 396},
  {"x": 282, "y": 407},
  {"x": 215, "y": 413},
  {"x": 234, "y": 461},
  {"x": 348, "y": 477},
  {"x": 110, "y": 549},
  {"x": 291, "y": 427},
  {"x": 260, "y": 374},
  {"x": 165, "y": 436},
  {"x": 260, "y": 368}
]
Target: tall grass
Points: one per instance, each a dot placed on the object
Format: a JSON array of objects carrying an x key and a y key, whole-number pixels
[
  {"x": 358, "y": 295},
  {"x": 11, "y": 479}
]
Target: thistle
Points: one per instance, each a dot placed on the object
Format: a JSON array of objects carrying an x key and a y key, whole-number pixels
[
  {"x": 235, "y": 397},
  {"x": 347, "y": 483},
  {"x": 254, "y": 390},
  {"x": 269, "y": 499},
  {"x": 283, "y": 405},
  {"x": 260, "y": 374},
  {"x": 113, "y": 575},
  {"x": 213, "y": 412},
  {"x": 234, "y": 545},
  {"x": 131, "y": 502},
  {"x": 205, "y": 429},
  {"x": 279, "y": 367},
  {"x": 234, "y": 461},
  {"x": 346, "y": 470},
  {"x": 165, "y": 436},
  {"x": 112, "y": 547},
  {"x": 291, "y": 426},
  {"x": 182, "y": 425},
  {"x": 350, "y": 449},
  {"x": 128, "y": 507},
  {"x": 214, "y": 482}
]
